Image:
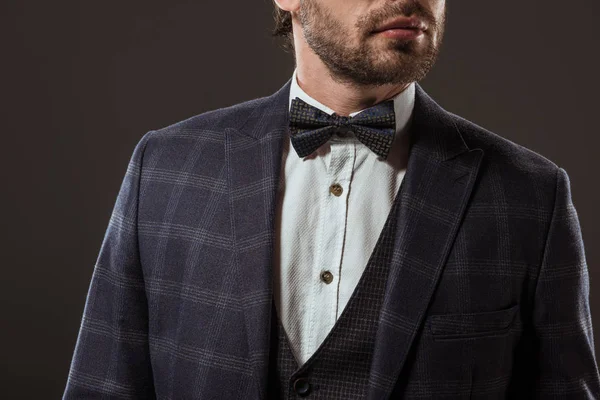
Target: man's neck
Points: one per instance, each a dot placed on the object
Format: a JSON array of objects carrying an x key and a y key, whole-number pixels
[{"x": 342, "y": 97}]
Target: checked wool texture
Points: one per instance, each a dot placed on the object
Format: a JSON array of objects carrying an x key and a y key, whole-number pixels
[{"x": 486, "y": 294}]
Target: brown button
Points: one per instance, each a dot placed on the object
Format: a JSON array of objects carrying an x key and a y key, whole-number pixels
[
  {"x": 336, "y": 189},
  {"x": 327, "y": 277}
]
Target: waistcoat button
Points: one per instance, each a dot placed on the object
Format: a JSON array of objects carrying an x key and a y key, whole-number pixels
[{"x": 302, "y": 387}]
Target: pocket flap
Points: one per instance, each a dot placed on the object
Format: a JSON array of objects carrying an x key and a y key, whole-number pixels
[{"x": 465, "y": 323}]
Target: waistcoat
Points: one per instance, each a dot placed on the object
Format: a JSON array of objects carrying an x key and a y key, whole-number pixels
[{"x": 340, "y": 367}]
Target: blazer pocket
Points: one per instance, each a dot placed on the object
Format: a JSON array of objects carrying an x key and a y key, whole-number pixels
[{"x": 471, "y": 325}]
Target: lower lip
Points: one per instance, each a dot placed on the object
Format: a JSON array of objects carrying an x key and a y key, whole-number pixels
[{"x": 401, "y": 33}]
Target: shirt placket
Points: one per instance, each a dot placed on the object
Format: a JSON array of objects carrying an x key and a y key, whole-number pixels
[{"x": 327, "y": 269}]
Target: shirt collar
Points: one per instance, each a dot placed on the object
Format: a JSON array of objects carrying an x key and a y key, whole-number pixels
[{"x": 404, "y": 103}]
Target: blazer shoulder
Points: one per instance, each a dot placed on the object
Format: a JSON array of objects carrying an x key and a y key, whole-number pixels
[
  {"x": 215, "y": 121},
  {"x": 502, "y": 151},
  {"x": 525, "y": 176},
  {"x": 202, "y": 134}
]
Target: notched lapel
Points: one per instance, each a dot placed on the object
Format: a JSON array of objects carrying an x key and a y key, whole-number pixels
[{"x": 438, "y": 182}]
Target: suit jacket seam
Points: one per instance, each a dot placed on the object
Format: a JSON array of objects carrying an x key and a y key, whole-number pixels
[{"x": 546, "y": 241}]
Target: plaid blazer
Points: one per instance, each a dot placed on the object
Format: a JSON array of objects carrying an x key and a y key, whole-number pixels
[{"x": 488, "y": 277}]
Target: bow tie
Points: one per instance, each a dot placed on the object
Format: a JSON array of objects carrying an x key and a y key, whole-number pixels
[{"x": 310, "y": 127}]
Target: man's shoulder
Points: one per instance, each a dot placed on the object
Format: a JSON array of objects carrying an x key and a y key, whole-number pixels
[
  {"x": 516, "y": 173},
  {"x": 500, "y": 150},
  {"x": 215, "y": 121},
  {"x": 202, "y": 135}
]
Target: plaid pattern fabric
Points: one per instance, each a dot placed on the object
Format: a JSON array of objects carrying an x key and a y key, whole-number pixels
[
  {"x": 340, "y": 367},
  {"x": 487, "y": 294},
  {"x": 310, "y": 127}
]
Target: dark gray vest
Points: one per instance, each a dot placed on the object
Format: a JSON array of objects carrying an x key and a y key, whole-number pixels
[{"x": 340, "y": 367}]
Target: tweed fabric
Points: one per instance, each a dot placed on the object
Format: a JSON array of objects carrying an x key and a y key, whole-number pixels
[
  {"x": 340, "y": 367},
  {"x": 180, "y": 299},
  {"x": 310, "y": 127}
]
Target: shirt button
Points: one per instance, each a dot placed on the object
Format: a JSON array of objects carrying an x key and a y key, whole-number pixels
[
  {"x": 327, "y": 277},
  {"x": 302, "y": 387},
  {"x": 336, "y": 189}
]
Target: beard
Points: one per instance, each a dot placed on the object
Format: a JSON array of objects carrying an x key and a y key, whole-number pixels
[{"x": 400, "y": 62}]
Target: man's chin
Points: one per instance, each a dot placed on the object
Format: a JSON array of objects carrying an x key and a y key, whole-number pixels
[{"x": 389, "y": 67}]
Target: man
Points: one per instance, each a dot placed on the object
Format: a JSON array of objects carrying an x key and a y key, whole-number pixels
[{"x": 344, "y": 238}]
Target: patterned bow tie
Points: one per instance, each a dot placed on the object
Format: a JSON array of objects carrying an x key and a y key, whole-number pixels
[{"x": 310, "y": 127}]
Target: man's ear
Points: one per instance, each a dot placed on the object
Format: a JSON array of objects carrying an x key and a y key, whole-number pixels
[{"x": 288, "y": 5}]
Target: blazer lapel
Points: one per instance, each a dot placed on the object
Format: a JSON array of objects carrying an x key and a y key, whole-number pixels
[
  {"x": 438, "y": 182},
  {"x": 253, "y": 156}
]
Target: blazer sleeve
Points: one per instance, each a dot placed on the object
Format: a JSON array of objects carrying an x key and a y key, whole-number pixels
[
  {"x": 111, "y": 358},
  {"x": 562, "y": 325}
]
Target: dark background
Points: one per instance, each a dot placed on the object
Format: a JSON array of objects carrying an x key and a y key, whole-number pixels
[{"x": 83, "y": 81}]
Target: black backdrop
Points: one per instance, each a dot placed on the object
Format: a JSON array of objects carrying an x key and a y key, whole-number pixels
[{"x": 83, "y": 81}]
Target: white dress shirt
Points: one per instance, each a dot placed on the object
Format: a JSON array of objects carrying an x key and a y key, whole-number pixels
[{"x": 320, "y": 230}]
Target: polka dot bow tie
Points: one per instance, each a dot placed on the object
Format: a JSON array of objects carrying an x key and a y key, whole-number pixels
[{"x": 310, "y": 127}]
